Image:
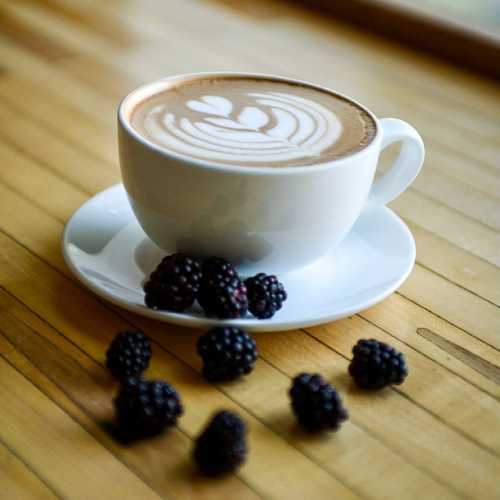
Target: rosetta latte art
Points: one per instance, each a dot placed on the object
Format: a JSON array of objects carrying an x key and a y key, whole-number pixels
[{"x": 279, "y": 127}]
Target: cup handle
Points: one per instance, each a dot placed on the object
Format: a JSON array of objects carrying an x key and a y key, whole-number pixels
[{"x": 407, "y": 164}]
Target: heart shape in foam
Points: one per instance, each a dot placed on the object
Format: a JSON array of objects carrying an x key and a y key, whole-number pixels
[{"x": 211, "y": 104}]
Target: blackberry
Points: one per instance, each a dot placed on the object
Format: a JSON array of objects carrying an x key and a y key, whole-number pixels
[
  {"x": 218, "y": 267},
  {"x": 174, "y": 284},
  {"x": 265, "y": 295},
  {"x": 316, "y": 404},
  {"x": 128, "y": 354},
  {"x": 145, "y": 408},
  {"x": 376, "y": 365},
  {"x": 221, "y": 447},
  {"x": 227, "y": 353},
  {"x": 222, "y": 293}
]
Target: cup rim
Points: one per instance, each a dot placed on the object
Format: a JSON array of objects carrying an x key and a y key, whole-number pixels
[{"x": 150, "y": 88}]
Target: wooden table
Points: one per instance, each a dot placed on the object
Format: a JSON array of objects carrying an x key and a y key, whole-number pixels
[{"x": 64, "y": 64}]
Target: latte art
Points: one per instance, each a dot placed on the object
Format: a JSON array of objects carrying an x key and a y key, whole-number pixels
[
  {"x": 280, "y": 127},
  {"x": 252, "y": 123}
]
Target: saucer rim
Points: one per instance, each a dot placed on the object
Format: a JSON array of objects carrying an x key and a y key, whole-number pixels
[{"x": 250, "y": 324}]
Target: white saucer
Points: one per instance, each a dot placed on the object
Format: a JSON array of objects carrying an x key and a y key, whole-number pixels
[{"x": 107, "y": 250}]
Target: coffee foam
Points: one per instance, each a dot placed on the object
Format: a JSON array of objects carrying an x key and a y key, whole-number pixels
[{"x": 252, "y": 122}]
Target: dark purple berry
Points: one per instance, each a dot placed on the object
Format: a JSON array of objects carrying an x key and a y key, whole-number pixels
[
  {"x": 221, "y": 448},
  {"x": 145, "y": 408},
  {"x": 316, "y": 404},
  {"x": 222, "y": 293},
  {"x": 174, "y": 284},
  {"x": 265, "y": 295},
  {"x": 128, "y": 354},
  {"x": 376, "y": 365},
  {"x": 227, "y": 353}
]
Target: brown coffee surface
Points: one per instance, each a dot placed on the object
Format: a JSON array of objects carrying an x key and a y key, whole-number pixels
[{"x": 246, "y": 121}]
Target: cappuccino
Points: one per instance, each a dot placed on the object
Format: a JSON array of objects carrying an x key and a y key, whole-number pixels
[{"x": 252, "y": 121}]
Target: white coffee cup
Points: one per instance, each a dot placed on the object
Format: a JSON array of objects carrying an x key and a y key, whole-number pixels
[{"x": 265, "y": 219}]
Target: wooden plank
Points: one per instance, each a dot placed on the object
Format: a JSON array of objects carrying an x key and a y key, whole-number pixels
[
  {"x": 402, "y": 319},
  {"x": 22, "y": 63},
  {"x": 60, "y": 114},
  {"x": 465, "y": 310},
  {"x": 84, "y": 390},
  {"x": 487, "y": 243},
  {"x": 457, "y": 311},
  {"x": 50, "y": 252},
  {"x": 35, "y": 19},
  {"x": 434, "y": 252},
  {"x": 439, "y": 299},
  {"x": 464, "y": 170},
  {"x": 433, "y": 435},
  {"x": 39, "y": 356},
  {"x": 18, "y": 481},
  {"x": 406, "y": 67},
  {"x": 41, "y": 234},
  {"x": 426, "y": 220},
  {"x": 39, "y": 145},
  {"x": 493, "y": 240},
  {"x": 179, "y": 16},
  {"x": 413, "y": 476},
  {"x": 456, "y": 265},
  {"x": 459, "y": 42},
  {"x": 294, "y": 352},
  {"x": 77, "y": 466},
  {"x": 461, "y": 197},
  {"x": 353, "y": 453},
  {"x": 16, "y": 170},
  {"x": 86, "y": 15},
  {"x": 45, "y": 23},
  {"x": 28, "y": 297},
  {"x": 429, "y": 384},
  {"x": 331, "y": 62},
  {"x": 304, "y": 34},
  {"x": 454, "y": 227},
  {"x": 114, "y": 80},
  {"x": 39, "y": 231},
  {"x": 481, "y": 365},
  {"x": 41, "y": 45},
  {"x": 83, "y": 314}
]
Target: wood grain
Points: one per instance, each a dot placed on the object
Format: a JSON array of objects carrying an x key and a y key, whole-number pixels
[
  {"x": 471, "y": 46},
  {"x": 52, "y": 443},
  {"x": 18, "y": 481},
  {"x": 64, "y": 65}
]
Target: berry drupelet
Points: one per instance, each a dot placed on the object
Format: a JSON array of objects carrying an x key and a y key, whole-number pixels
[
  {"x": 145, "y": 408},
  {"x": 227, "y": 353},
  {"x": 216, "y": 267},
  {"x": 265, "y": 295},
  {"x": 222, "y": 293},
  {"x": 174, "y": 284},
  {"x": 221, "y": 447},
  {"x": 316, "y": 404},
  {"x": 128, "y": 354},
  {"x": 376, "y": 365}
]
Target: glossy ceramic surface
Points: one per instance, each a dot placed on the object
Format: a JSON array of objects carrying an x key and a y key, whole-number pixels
[
  {"x": 263, "y": 219},
  {"x": 109, "y": 252}
]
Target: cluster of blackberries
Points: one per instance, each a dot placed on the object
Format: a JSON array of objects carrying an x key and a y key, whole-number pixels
[
  {"x": 146, "y": 407},
  {"x": 143, "y": 407},
  {"x": 180, "y": 280},
  {"x": 374, "y": 365}
]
